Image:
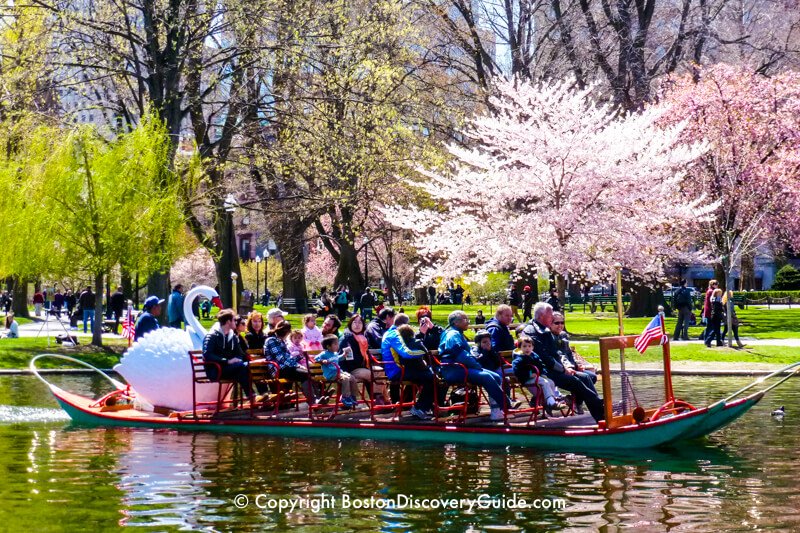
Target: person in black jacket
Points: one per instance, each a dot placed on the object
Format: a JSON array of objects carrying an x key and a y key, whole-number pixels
[
  {"x": 255, "y": 336},
  {"x": 682, "y": 302},
  {"x": 497, "y": 327},
  {"x": 367, "y": 304},
  {"x": 564, "y": 377},
  {"x": 87, "y": 301},
  {"x": 430, "y": 334},
  {"x": 378, "y": 326},
  {"x": 515, "y": 301},
  {"x": 222, "y": 347},
  {"x": 117, "y": 305}
]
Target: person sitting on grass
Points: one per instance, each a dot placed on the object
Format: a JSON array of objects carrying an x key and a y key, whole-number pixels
[
  {"x": 329, "y": 359},
  {"x": 454, "y": 351},
  {"x": 525, "y": 364},
  {"x": 400, "y": 362},
  {"x": 12, "y": 326}
]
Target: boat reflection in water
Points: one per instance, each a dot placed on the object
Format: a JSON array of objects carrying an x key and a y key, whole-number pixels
[{"x": 167, "y": 479}]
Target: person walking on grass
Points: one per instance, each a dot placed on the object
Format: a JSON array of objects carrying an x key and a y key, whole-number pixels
[
  {"x": 682, "y": 302},
  {"x": 87, "y": 301}
]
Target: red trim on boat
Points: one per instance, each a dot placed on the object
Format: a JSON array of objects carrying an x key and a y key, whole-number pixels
[{"x": 572, "y": 432}]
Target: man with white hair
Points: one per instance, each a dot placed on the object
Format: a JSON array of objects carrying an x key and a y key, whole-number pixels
[
  {"x": 560, "y": 373},
  {"x": 454, "y": 351},
  {"x": 275, "y": 316}
]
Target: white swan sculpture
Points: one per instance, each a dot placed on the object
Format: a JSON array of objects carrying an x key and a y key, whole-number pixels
[{"x": 157, "y": 365}]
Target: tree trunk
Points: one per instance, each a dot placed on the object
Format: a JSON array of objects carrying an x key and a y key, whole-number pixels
[
  {"x": 126, "y": 282},
  {"x": 561, "y": 287},
  {"x": 644, "y": 300},
  {"x": 748, "y": 272},
  {"x": 20, "y": 296},
  {"x": 348, "y": 271},
  {"x": 290, "y": 245},
  {"x": 719, "y": 273},
  {"x": 97, "y": 331},
  {"x": 158, "y": 285},
  {"x": 228, "y": 260}
]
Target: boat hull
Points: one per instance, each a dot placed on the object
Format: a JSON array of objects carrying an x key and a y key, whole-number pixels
[{"x": 687, "y": 425}]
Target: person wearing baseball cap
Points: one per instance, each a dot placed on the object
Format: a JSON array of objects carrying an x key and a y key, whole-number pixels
[
  {"x": 148, "y": 320},
  {"x": 527, "y": 303},
  {"x": 275, "y": 316}
]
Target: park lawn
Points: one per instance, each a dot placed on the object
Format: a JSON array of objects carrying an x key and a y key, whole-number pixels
[
  {"x": 17, "y": 353},
  {"x": 782, "y": 355},
  {"x": 758, "y": 323}
]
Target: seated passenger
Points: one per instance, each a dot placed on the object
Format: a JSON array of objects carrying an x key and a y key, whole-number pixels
[
  {"x": 356, "y": 360},
  {"x": 567, "y": 352},
  {"x": 524, "y": 363},
  {"x": 394, "y": 353},
  {"x": 275, "y": 349},
  {"x": 454, "y": 348},
  {"x": 255, "y": 336},
  {"x": 545, "y": 347},
  {"x": 429, "y": 333},
  {"x": 329, "y": 359},
  {"x": 486, "y": 355},
  {"x": 297, "y": 348},
  {"x": 378, "y": 326},
  {"x": 222, "y": 347},
  {"x": 312, "y": 335},
  {"x": 497, "y": 327}
]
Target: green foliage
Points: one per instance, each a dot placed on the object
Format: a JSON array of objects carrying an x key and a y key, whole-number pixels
[
  {"x": 75, "y": 202},
  {"x": 493, "y": 288},
  {"x": 760, "y": 295},
  {"x": 787, "y": 279}
]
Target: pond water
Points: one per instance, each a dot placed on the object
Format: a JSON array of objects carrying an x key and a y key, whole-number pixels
[{"x": 56, "y": 476}]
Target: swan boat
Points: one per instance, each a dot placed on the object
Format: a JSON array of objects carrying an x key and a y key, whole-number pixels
[{"x": 674, "y": 421}]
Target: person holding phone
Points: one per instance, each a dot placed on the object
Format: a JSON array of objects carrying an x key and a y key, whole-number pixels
[{"x": 354, "y": 348}]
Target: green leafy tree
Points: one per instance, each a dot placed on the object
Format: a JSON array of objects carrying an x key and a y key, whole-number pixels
[
  {"x": 787, "y": 279},
  {"x": 87, "y": 205}
]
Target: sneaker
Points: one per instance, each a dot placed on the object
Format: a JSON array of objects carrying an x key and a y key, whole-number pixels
[
  {"x": 496, "y": 414},
  {"x": 419, "y": 413},
  {"x": 515, "y": 404},
  {"x": 579, "y": 410}
]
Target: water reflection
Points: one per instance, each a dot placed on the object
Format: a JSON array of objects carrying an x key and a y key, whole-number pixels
[{"x": 74, "y": 477}]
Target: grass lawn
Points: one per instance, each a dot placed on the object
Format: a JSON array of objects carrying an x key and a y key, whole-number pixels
[
  {"x": 17, "y": 353},
  {"x": 585, "y": 329},
  {"x": 756, "y": 322},
  {"x": 698, "y": 352}
]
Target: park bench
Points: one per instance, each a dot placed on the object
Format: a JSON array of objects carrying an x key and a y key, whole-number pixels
[{"x": 603, "y": 301}]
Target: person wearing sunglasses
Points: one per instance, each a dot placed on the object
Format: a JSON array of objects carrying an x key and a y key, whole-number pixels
[{"x": 568, "y": 357}]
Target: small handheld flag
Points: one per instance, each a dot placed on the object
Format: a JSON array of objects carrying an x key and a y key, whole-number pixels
[
  {"x": 128, "y": 328},
  {"x": 654, "y": 330}
]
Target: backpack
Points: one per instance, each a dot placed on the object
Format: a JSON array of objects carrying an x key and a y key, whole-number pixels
[{"x": 683, "y": 298}]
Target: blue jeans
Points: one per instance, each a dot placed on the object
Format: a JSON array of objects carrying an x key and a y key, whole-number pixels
[
  {"x": 88, "y": 314},
  {"x": 490, "y": 381},
  {"x": 366, "y": 314},
  {"x": 424, "y": 378}
]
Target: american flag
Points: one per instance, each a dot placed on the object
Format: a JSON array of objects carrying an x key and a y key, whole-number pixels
[
  {"x": 128, "y": 328},
  {"x": 654, "y": 330}
]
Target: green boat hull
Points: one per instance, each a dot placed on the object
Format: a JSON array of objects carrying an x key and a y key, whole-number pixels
[{"x": 649, "y": 435}]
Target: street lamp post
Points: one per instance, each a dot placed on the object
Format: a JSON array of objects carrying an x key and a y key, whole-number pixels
[
  {"x": 258, "y": 260},
  {"x": 230, "y": 205}
]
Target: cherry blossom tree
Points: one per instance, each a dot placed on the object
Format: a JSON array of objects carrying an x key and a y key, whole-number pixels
[
  {"x": 555, "y": 179},
  {"x": 752, "y": 124}
]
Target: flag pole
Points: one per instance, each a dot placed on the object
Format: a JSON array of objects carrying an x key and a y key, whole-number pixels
[
  {"x": 622, "y": 374},
  {"x": 130, "y": 325}
]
